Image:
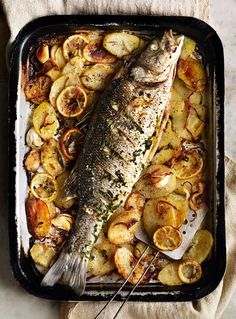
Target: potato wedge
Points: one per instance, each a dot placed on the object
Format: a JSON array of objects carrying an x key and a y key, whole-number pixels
[
  {"x": 98, "y": 76},
  {"x": 189, "y": 271},
  {"x": 37, "y": 90},
  {"x": 135, "y": 200},
  {"x": 156, "y": 181},
  {"x": 74, "y": 65},
  {"x": 32, "y": 160},
  {"x": 125, "y": 261},
  {"x": 42, "y": 254},
  {"x": 38, "y": 217},
  {"x": 62, "y": 201},
  {"x": 192, "y": 73},
  {"x": 42, "y": 53},
  {"x": 45, "y": 121},
  {"x": 74, "y": 45},
  {"x": 121, "y": 44},
  {"x": 101, "y": 261},
  {"x": 124, "y": 226},
  {"x": 96, "y": 53},
  {"x": 44, "y": 187},
  {"x": 52, "y": 160},
  {"x": 200, "y": 246},
  {"x": 169, "y": 275},
  {"x": 61, "y": 83},
  {"x": 163, "y": 211},
  {"x": 54, "y": 73},
  {"x": 63, "y": 221}
]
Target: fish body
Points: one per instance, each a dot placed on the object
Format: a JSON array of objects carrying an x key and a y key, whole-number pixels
[{"x": 129, "y": 117}]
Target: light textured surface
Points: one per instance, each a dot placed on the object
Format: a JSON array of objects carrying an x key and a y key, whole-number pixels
[{"x": 14, "y": 301}]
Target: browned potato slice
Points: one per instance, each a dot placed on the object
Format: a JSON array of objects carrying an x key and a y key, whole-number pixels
[
  {"x": 169, "y": 275},
  {"x": 189, "y": 271},
  {"x": 135, "y": 200},
  {"x": 102, "y": 259},
  {"x": 51, "y": 158},
  {"x": 200, "y": 247},
  {"x": 169, "y": 210},
  {"x": 61, "y": 83},
  {"x": 121, "y": 44},
  {"x": 98, "y": 76},
  {"x": 45, "y": 120},
  {"x": 188, "y": 48},
  {"x": 116, "y": 213},
  {"x": 167, "y": 238},
  {"x": 38, "y": 217},
  {"x": 63, "y": 221},
  {"x": 54, "y": 73},
  {"x": 95, "y": 52},
  {"x": 74, "y": 45},
  {"x": 156, "y": 181},
  {"x": 37, "y": 90},
  {"x": 42, "y": 53},
  {"x": 74, "y": 65},
  {"x": 124, "y": 227},
  {"x": 125, "y": 262},
  {"x": 62, "y": 201},
  {"x": 192, "y": 73},
  {"x": 32, "y": 160},
  {"x": 42, "y": 254}
]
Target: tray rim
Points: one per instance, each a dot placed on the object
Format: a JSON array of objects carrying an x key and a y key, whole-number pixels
[{"x": 102, "y": 20}]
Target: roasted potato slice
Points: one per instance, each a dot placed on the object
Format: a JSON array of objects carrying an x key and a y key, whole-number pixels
[
  {"x": 188, "y": 48},
  {"x": 124, "y": 226},
  {"x": 125, "y": 262},
  {"x": 117, "y": 212},
  {"x": 181, "y": 89},
  {"x": 101, "y": 261},
  {"x": 61, "y": 83},
  {"x": 42, "y": 53},
  {"x": 156, "y": 181},
  {"x": 54, "y": 73},
  {"x": 63, "y": 221},
  {"x": 42, "y": 254},
  {"x": 62, "y": 201},
  {"x": 188, "y": 165},
  {"x": 163, "y": 211},
  {"x": 72, "y": 101},
  {"x": 135, "y": 200},
  {"x": 96, "y": 53},
  {"x": 167, "y": 238},
  {"x": 33, "y": 140},
  {"x": 45, "y": 121},
  {"x": 74, "y": 45},
  {"x": 74, "y": 65},
  {"x": 189, "y": 271},
  {"x": 164, "y": 155},
  {"x": 37, "y": 90},
  {"x": 52, "y": 209},
  {"x": 169, "y": 275},
  {"x": 52, "y": 160},
  {"x": 32, "y": 160},
  {"x": 200, "y": 246},
  {"x": 44, "y": 187},
  {"x": 169, "y": 137},
  {"x": 57, "y": 56},
  {"x": 139, "y": 249},
  {"x": 38, "y": 217},
  {"x": 121, "y": 44},
  {"x": 192, "y": 73},
  {"x": 98, "y": 76}
]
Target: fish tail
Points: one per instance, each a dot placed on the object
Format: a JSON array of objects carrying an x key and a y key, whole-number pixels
[{"x": 70, "y": 268}]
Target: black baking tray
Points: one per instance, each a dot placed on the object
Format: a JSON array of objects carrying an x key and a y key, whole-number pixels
[{"x": 212, "y": 50}]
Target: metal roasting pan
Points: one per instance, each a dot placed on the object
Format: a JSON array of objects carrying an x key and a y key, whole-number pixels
[{"x": 210, "y": 47}]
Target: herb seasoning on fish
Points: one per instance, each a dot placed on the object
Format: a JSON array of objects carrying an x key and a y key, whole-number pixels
[{"x": 126, "y": 126}]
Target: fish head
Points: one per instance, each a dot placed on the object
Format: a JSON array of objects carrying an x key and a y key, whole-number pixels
[{"x": 156, "y": 61}]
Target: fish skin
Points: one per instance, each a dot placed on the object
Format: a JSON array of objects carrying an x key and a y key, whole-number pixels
[{"x": 116, "y": 150}]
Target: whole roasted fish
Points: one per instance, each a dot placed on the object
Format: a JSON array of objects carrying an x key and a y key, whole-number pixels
[{"x": 125, "y": 129}]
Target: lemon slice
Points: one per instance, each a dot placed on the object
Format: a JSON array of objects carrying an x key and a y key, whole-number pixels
[
  {"x": 70, "y": 142},
  {"x": 73, "y": 45},
  {"x": 189, "y": 271},
  {"x": 44, "y": 187},
  {"x": 167, "y": 238},
  {"x": 71, "y": 101},
  {"x": 189, "y": 165}
]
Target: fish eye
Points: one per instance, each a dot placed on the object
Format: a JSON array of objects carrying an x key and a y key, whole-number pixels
[{"x": 154, "y": 47}]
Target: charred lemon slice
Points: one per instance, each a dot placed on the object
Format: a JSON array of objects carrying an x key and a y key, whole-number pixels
[
  {"x": 189, "y": 271},
  {"x": 71, "y": 101},
  {"x": 70, "y": 142},
  {"x": 167, "y": 238},
  {"x": 74, "y": 45},
  {"x": 188, "y": 165},
  {"x": 44, "y": 187}
]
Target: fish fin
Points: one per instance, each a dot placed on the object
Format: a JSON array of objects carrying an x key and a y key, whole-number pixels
[{"x": 71, "y": 269}]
